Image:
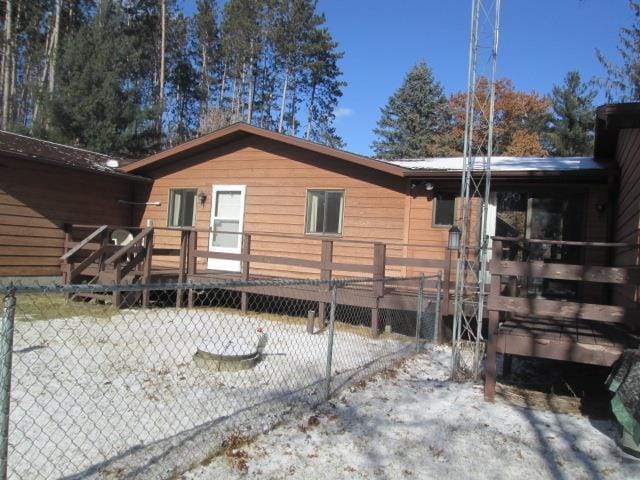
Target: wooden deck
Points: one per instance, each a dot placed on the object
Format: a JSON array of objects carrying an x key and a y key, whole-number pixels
[
  {"x": 576, "y": 331},
  {"x": 90, "y": 257}
]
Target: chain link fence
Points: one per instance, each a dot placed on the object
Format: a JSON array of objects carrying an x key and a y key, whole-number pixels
[{"x": 90, "y": 391}]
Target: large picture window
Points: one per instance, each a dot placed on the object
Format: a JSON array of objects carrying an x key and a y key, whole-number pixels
[
  {"x": 444, "y": 209},
  {"x": 182, "y": 207},
  {"x": 325, "y": 209}
]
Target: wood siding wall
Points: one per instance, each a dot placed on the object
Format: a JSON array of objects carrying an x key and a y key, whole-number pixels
[
  {"x": 277, "y": 178},
  {"x": 36, "y": 201},
  {"x": 627, "y": 211}
]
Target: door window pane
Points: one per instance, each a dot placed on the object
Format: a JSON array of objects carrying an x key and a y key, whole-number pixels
[
  {"x": 228, "y": 204},
  {"x": 226, "y": 240},
  {"x": 325, "y": 209}
]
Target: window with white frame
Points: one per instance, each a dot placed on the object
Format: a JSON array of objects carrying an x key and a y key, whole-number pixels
[
  {"x": 325, "y": 209},
  {"x": 182, "y": 207}
]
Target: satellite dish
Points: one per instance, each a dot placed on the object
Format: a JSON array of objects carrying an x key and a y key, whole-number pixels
[{"x": 121, "y": 237}]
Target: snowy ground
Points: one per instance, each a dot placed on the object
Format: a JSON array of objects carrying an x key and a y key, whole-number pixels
[
  {"x": 121, "y": 397},
  {"x": 413, "y": 423}
]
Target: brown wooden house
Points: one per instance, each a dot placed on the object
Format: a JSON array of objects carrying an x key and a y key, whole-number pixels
[
  {"x": 244, "y": 202},
  {"x": 45, "y": 186}
]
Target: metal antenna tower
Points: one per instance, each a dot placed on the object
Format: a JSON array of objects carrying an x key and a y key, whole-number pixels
[{"x": 471, "y": 273}]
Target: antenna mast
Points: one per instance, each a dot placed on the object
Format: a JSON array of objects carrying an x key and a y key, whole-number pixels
[{"x": 471, "y": 273}]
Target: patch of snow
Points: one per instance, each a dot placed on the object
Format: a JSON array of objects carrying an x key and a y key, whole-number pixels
[
  {"x": 92, "y": 396},
  {"x": 418, "y": 424},
  {"x": 503, "y": 164}
]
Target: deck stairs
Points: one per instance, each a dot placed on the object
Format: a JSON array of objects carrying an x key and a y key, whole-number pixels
[{"x": 95, "y": 259}]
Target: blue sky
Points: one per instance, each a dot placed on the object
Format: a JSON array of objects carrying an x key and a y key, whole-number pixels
[{"x": 540, "y": 41}]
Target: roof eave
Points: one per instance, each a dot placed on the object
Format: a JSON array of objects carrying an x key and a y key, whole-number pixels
[{"x": 78, "y": 168}]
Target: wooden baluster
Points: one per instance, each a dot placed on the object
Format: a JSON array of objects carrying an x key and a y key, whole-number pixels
[
  {"x": 146, "y": 276},
  {"x": 245, "y": 266},
  {"x": 182, "y": 265},
  {"x": 117, "y": 294},
  {"x": 191, "y": 261},
  {"x": 326, "y": 257}
]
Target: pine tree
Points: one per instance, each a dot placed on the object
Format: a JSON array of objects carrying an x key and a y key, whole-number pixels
[
  {"x": 414, "y": 118},
  {"x": 97, "y": 102},
  {"x": 571, "y": 132},
  {"x": 183, "y": 81},
  {"x": 622, "y": 83}
]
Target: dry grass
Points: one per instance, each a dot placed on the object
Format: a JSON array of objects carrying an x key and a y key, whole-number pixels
[{"x": 48, "y": 306}]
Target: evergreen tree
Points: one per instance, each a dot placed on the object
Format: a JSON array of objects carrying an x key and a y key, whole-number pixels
[
  {"x": 622, "y": 83},
  {"x": 571, "y": 132},
  {"x": 183, "y": 81},
  {"x": 414, "y": 119},
  {"x": 96, "y": 103}
]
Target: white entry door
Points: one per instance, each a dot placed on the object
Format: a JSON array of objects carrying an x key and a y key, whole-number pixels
[{"x": 227, "y": 216}]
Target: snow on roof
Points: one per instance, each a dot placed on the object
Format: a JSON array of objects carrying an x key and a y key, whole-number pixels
[
  {"x": 63, "y": 155},
  {"x": 502, "y": 164}
]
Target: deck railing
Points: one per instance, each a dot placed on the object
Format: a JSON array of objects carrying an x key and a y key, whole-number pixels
[
  {"x": 511, "y": 297},
  {"x": 145, "y": 255}
]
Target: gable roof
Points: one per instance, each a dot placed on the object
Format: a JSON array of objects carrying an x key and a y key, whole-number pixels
[
  {"x": 21, "y": 147},
  {"x": 241, "y": 130}
]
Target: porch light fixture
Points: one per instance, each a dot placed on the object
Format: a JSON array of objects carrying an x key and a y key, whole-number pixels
[
  {"x": 454, "y": 238},
  {"x": 428, "y": 187},
  {"x": 202, "y": 197}
]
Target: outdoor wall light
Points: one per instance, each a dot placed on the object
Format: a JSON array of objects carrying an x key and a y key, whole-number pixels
[
  {"x": 428, "y": 187},
  {"x": 202, "y": 197},
  {"x": 454, "y": 238}
]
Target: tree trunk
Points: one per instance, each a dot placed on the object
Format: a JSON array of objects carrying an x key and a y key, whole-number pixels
[
  {"x": 54, "y": 46},
  {"x": 312, "y": 101},
  {"x": 283, "y": 101},
  {"x": 223, "y": 82},
  {"x": 205, "y": 78},
  {"x": 163, "y": 39},
  {"x": 8, "y": 58}
]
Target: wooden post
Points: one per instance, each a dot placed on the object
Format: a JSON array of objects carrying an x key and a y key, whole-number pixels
[
  {"x": 146, "y": 275},
  {"x": 184, "y": 245},
  {"x": 245, "y": 266},
  {"x": 446, "y": 287},
  {"x": 311, "y": 314},
  {"x": 379, "y": 257},
  {"x": 326, "y": 257},
  {"x": 117, "y": 277},
  {"x": 490, "y": 375},
  {"x": 492, "y": 340},
  {"x": 191, "y": 261}
]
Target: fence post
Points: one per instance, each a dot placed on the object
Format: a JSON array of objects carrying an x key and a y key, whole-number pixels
[
  {"x": 332, "y": 321},
  {"x": 438, "y": 334},
  {"x": 6, "y": 351},
  {"x": 419, "y": 312}
]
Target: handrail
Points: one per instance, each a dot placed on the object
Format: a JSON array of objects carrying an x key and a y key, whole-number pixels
[
  {"x": 83, "y": 243},
  {"x": 127, "y": 248},
  {"x": 317, "y": 238},
  {"x": 564, "y": 242}
]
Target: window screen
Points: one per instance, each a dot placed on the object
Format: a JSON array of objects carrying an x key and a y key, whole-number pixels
[
  {"x": 182, "y": 203},
  {"x": 324, "y": 211},
  {"x": 444, "y": 209}
]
